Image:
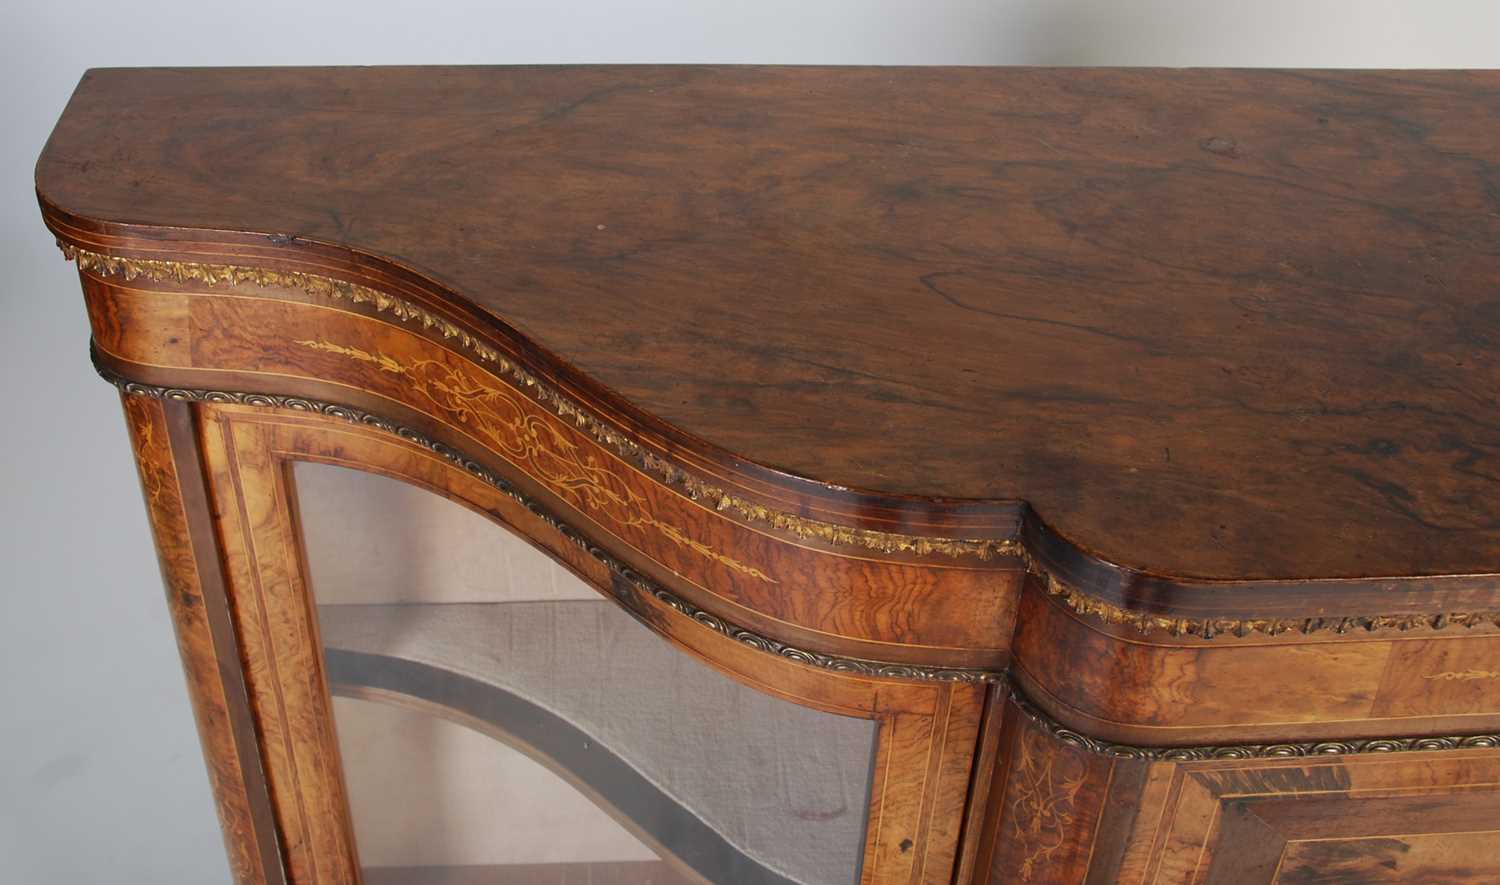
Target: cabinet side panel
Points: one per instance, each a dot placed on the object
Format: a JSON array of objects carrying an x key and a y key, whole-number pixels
[{"x": 172, "y": 482}]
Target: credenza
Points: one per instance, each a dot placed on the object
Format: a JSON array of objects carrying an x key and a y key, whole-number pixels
[{"x": 941, "y": 475}]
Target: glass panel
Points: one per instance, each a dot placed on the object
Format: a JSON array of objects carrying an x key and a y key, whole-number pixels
[
  {"x": 434, "y": 803},
  {"x": 501, "y": 722}
]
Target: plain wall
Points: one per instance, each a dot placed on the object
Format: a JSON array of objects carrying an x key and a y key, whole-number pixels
[{"x": 101, "y": 779}]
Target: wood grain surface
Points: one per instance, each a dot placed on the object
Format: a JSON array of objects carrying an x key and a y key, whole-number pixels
[
  {"x": 1223, "y": 324},
  {"x": 177, "y": 502}
]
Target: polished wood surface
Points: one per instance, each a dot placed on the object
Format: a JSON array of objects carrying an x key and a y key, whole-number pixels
[
  {"x": 1113, "y": 440},
  {"x": 1207, "y": 323}
]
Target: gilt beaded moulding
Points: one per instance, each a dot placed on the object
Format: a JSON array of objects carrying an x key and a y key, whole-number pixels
[
  {"x": 698, "y": 489},
  {"x": 214, "y": 274}
]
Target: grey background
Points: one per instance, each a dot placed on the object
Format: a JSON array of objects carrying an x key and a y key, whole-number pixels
[{"x": 100, "y": 774}]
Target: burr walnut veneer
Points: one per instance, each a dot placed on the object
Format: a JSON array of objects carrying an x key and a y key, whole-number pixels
[{"x": 1122, "y": 444}]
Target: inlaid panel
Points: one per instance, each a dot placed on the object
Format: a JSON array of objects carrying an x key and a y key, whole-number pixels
[{"x": 1066, "y": 808}]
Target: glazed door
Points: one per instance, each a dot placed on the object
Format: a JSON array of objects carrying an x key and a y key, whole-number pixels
[
  {"x": 501, "y": 722},
  {"x": 394, "y": 687}
]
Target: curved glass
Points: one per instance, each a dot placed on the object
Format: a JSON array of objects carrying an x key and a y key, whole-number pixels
[{"x": 501, "y": 722}]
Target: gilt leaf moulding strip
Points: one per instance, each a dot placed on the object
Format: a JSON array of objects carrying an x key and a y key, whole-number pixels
[
  {"x": 316, "y": 285},
  {"x": 1082, "y": 741},
  {"x": 159, "y": 270}
]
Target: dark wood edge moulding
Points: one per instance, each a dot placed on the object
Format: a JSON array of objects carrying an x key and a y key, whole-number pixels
[
  {"x": 628, "y": 585},
  {"x": 999, "y": 533}
]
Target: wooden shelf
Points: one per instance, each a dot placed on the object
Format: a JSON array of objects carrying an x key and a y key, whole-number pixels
[
  {"x": 732, "y": 784},
  {"x": 619, "y": 873}
]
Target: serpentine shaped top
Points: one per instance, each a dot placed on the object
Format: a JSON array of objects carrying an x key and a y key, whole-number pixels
[{"x": 1217, "y": 324}]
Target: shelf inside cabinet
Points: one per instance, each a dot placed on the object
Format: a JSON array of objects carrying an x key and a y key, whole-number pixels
[{"x": 735, "y": 785}]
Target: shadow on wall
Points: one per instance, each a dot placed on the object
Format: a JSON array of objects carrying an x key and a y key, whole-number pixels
[{"x": 1274, "y": 33}]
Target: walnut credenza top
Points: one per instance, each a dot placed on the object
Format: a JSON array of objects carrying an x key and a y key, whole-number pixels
[{"x": 1139, "y": 389}]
